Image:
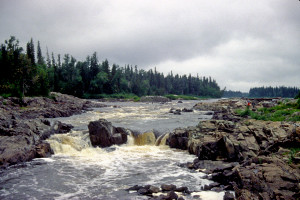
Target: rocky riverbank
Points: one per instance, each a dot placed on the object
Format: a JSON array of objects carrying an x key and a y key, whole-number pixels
[
  {"x": 23, "y": 126},
  {"x": 253, "y": 158}
]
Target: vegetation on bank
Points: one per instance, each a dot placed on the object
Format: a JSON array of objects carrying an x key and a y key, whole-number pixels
[
  {"x": 30, "y": 74},
  {"x": 264, "y": 92},
  {"x": 284, "y": 111},
  {"x": 123, "y": 96}
]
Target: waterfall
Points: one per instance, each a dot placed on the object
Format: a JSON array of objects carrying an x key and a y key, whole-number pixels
[{"x": 78, "y": 142}]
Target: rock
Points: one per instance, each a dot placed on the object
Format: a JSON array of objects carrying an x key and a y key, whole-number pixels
[
  {"x": 23, "y": 126},
  {"x": 187, "y": 110},
  {"x": 166, "y": 187},
  {"x": 244, "y": 155},
  {"x": 178, "y": 139},
  {"x": 228, "y": 196},
  {"x": 272, "y": 178},
  {"x": 143, "y": 191},
  {"x": 23, "y": 141},
  {"x": 103, "y": 134},
  {"x": 171, "y": 195},
  {"x": 210, "y": 186},
  {"x": 183, "y": 190},
  {"x": 153, "y": 189},
  {"x": 60, "y": 127},
  {"x": 43, "y": 150}
]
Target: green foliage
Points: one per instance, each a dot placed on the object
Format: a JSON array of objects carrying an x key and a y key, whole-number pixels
[
  {"x": 283, "y": 112},
  {"x": 293, "y": 152},
  {"x": 6, "y": 95},
  {"x": 183, "y": 97},
  {"x": 21, "y": 74},
  {"x": 288, "y": 92},
  {"x": 298, "y": 95}
]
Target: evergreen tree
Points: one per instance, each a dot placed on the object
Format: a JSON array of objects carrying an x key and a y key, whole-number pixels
[
  {"x": 30, "y": 51},
  {"x": 40, "y": 58}
]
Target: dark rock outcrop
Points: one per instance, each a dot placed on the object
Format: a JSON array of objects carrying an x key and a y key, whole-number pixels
[
  {"x": 22, "y": 140},
  {"x": 103, "y": 134},
  {"x": 23, "y": 126},
  {"x": 251, "y": 157}
]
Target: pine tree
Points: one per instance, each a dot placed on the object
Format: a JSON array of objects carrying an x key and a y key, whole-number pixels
[
  {"x": 30, "y": 51},
  {"x": 48, "y": 60},
  {"x": 40, "y": 58}
]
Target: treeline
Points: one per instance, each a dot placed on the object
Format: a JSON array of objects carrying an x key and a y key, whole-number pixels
[
  {"x": 30, "y": 74},
  {"x": 230, "y": 93},
  {"x": 288, "y": 92}
]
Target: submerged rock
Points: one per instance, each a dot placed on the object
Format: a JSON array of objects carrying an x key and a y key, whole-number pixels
[{"x": 103, "y": 134}]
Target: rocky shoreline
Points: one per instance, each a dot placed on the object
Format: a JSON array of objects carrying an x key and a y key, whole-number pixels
[
  {"x": 251, "y": 157},
  {"x": 24, "y": 127}
]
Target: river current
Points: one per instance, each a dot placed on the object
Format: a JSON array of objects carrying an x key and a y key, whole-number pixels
[{"x": 79, "y": 171}]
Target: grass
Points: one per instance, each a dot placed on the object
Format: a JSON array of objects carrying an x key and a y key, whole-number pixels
[
  {"x": 6, "y": 95},
  {"x": 285, "y": 111},
  {"x": 293, "y": 152}
]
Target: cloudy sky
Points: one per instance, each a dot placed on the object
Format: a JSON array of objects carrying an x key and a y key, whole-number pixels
[{"x": 240, "y": 43}]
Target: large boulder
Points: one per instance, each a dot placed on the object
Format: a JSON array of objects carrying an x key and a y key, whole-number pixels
[{"x": 103, "y": 134}]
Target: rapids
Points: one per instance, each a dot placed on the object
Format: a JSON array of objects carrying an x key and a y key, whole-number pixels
[{"x": 79, "y": 171}]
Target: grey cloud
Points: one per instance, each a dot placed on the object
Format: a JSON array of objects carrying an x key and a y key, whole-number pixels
[{"x": 169, "y": 34}]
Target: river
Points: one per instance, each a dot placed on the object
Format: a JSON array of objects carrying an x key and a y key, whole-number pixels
[{"x": 79, "y": 171}]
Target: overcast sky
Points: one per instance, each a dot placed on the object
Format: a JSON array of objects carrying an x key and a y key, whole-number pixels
[{"x": 240, "y": 43}]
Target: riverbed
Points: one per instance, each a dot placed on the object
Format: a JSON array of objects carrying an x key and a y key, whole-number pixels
[{"x": 79, "y": 171}]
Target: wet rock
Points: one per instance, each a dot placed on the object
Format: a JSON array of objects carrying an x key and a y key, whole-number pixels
[
  {"x": 175, "y": 111},
  {"x": 22, "y": 141},
  {"x": 43, "y": 150},
  {"x": 153, "y": 189},
  {"x": 231, "y": 149},
  {"x": 187, "y": 110},
  {"x": 228, "y": 196},
  {"x": 183, "y": 190},
  {"x": 143, "y": 191},
  {"x": 171, "y": 196},
  {"x": 103, "y": 134},
  {"x": 178, "y": 139},
  {"x": 166, "y": 187},
  {"x": 23, "y": 126},
  {"x": 60, "y": 127}
]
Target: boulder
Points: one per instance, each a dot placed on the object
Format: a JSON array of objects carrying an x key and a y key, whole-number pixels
[
  {"x": 103, "y": 134},
  {"x": 166, "y": 187},
  {"x": 187, "y": 110}
]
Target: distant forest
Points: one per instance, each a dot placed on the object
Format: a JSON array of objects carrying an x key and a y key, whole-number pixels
[
  {"x": 259, "y": 92},
  {"x": 289, "y": 92},
  {"x": 30, "y": 74}
]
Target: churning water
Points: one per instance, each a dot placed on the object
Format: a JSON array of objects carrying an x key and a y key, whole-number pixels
[{"x": 79, "y": 171}]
